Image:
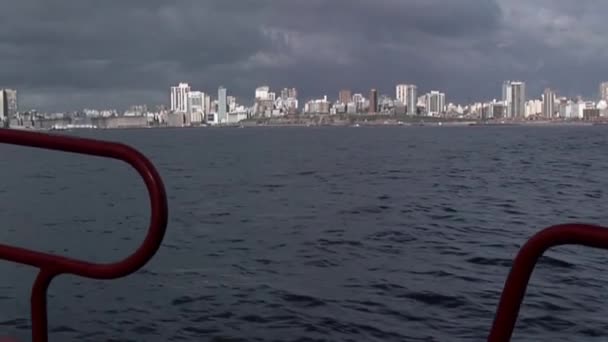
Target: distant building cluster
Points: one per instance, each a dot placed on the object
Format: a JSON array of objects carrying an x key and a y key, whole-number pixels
[
  {"x": 188, "y": 107},
  {"x": 196, "y": 107},
  {"x": 267, "y": 104},
  {"x": 512, "y": 105}
]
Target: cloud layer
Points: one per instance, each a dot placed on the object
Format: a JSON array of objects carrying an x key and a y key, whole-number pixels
[{"x": 68, "y": 54}]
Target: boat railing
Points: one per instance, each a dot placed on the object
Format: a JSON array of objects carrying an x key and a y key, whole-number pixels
[
  {"x": 50, "y": 265},
  {"x": 524, "y": 263}
]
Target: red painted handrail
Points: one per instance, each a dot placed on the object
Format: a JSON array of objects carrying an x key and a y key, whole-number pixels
[
  {"x": 523, "y": 265},
  {"x": 52, "y": 265}
]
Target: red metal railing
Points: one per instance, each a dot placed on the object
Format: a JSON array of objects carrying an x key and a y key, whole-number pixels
[
  {"x": 523, "y": 265},
  {"x": 50, "y": 265}
]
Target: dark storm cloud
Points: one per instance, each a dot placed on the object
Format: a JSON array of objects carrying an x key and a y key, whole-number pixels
[{"x": 69, "y": 53}]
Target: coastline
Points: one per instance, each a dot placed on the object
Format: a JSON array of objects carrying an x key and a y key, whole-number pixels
[{"x": 311, "y": 123}]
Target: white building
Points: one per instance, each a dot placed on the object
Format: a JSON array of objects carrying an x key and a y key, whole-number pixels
[
  {"x": 435, "y": 103},
  {"x": 604, "y": 91},
  {"x": 8, "y": 105},
  {"x": 407, "y": 94},
  {"x": 179, "y": 98},
  {"x": 401, "y": 93},
  {"x": 533, "y": 108},
  {"x": 196, "y": 106},
  {"x": 222, "y": 105},
  {"x": 548, "y": 103},
  {"x": 514, "y": 97},
  {"x": 412, "y": 99},
  {"x": 506, "y": 97},
  {"x": 262, "y": 93}
]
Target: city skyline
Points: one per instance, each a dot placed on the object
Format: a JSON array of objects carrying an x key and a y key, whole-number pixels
[
  {"x": 394, "y": 93},
  {"x": 26, "y": 100},
  {"x": 67, "y": 56},
  {"x": 190, "y": 108}
]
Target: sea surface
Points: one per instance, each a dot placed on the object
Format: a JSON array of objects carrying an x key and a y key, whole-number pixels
[{"x": 313, "y": 234}]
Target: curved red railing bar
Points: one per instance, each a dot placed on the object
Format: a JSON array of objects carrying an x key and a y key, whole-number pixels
[
  {"x": 523, "y": 265},
  {"x": 52, "y": 265}
]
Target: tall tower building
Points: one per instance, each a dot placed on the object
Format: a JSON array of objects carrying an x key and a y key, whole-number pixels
[
  {"x": 401, "y": 93},
  {"x": 8, "y": 106},
  {"x": 435, "y": 102},
  {"x": 604, "y": 91},
  {"x": 222, "y": 105},
  {"x": 373, "y": 101},
  {"x": 506, "y": 97},
  {"x": 411, "y": 101},
  {"x": 518, "y": 100},
  {"x": 407, "y": 94},
  {"x": 548, "y": 103},
  {"x": 514, "y": 99},
  {"x": 179, "y": 98},
  {"x": 4, "y": 119}
]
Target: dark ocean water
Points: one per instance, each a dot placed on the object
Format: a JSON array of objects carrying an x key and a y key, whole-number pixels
[{"x": 314, "y": 234}]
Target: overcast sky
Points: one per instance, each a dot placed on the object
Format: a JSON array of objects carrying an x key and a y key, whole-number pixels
[{"x": 68, "y": 54}]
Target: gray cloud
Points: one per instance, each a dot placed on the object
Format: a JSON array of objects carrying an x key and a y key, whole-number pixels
[{"x": 68, "y": 54}]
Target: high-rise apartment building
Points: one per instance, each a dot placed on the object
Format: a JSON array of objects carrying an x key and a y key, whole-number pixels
[
  {"x": 506, "y": 97},
  {"x": 222, "y": 105},
  {"x": 435, "y": 102},
  {"x": 548, "y": 103},
  {"x": 179, "y": 98},
  {"x": 407, "y": 94},
  {"x": 196, "y": 102},
  {"x": 8, "y": 106},
  {"x": 514, "y": 98},
  {"x": 401, "y": 93},
  {"x": 604, "y": 91},
  {"x": 411, "y": 100},
  {"x": 373, "y": 101},
  {"x": 518, "y": 100}
]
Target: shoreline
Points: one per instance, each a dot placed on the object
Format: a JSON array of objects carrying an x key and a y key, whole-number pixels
[{"x": 356, "y": 124}]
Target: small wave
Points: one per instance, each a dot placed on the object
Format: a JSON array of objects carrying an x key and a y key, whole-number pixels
[
  {"x": 436, "y": 299},
  {"x": 145, "y": 330},
  {"x": 183, "y": 300},
  {"x": 200, "y": 332},
  {"x": 548, "y": 322},
  {"x": 40, "y": 176},
  {"x": 302, "y": 300},
  {"x": 14, "y": 322},
  {"x": 393, "y": 236},
  {"x": 366, "y": 210},
  {"x": 325, "y": 242},
  {"x": 554, "y": 262},
  {"x": 359, "y": 330},
  {"x": 220, "y": 214},
  {"x": 63, "y": 329},
  {"x": 272, "y": 186},
  {"x": 491, "y": 261},
  {"x": 322, "y": 263}
]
